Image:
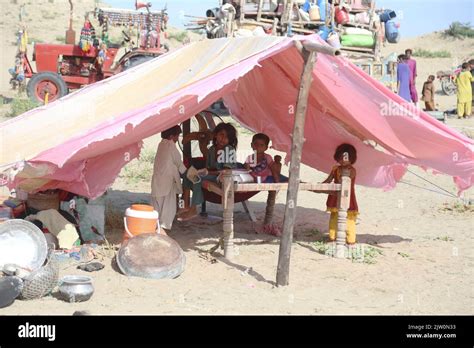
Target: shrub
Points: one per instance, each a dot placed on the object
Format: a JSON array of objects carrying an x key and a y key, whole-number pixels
[
  {"x": 460, "y": 30},
  {"x": 21, "y": 105},
  {"x": 419, "y": 52},
  {"x": 180, "y": 36}
]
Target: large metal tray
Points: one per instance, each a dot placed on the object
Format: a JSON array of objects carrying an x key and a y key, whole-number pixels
[
  {"x": 22, "y": 244},
  {"x": 151, "y": 255}
]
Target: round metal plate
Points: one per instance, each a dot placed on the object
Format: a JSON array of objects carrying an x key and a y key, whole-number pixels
[
  {"x": 151, "y": 255},
  {"x": 22, "y": 244}
]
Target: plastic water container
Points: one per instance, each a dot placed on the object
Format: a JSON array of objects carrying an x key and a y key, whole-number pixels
[
  {"x": 322, "y": 9},
  {"x": 140, "y": 219},
  {"x": 391, "y": 32},
  {"x": 387, "y": 15},
  {"x": 324, "y": 32}
]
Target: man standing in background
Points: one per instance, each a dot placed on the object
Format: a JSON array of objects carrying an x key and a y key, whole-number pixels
[
  {"x": 471, "y": 63},
  {"x": 412, "y": 65}
]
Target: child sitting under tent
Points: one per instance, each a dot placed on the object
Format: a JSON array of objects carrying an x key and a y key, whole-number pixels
[
  {"x": 221, "y": 155},
  {"x": 345, "y": 156},
  {"x": 261, "y": 164}
]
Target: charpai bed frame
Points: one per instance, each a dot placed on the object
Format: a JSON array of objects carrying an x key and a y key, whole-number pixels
[{"x": 230, "y": 191}]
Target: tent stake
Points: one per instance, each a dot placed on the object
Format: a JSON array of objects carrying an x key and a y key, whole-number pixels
[{"x": 283, "y": 269}]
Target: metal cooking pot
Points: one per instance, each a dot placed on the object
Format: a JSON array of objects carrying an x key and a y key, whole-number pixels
[
  {"x": 241, "y": 176},
  {"x": 76, "y": 288}
]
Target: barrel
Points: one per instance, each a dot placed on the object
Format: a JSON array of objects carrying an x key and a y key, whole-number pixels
[
  {"x": 391, "y": 32},
  {"x": 140, "y": 219}
]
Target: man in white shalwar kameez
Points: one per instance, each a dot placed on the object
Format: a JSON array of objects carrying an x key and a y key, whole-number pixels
[{"x": 166, "y": 181}]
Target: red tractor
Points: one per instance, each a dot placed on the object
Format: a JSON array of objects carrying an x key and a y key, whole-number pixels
[{"x": 63, "y": 67}]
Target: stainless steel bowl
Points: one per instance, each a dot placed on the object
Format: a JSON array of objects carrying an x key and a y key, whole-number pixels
[
  {"x": 22, "y": 244},
  {"x": 76, "y": 288}
]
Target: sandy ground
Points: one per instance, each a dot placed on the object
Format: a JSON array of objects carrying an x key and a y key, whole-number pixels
[{"x": 424, "y": 264}]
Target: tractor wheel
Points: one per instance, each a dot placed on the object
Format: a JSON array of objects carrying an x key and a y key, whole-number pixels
[
  {"x": 137, "y": 60},
  {"x": 448, "y": 86},
  {"x": 46, "y": 83}
]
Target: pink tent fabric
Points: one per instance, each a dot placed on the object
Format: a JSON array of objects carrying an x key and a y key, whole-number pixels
[{"x": 258, "y": 78}]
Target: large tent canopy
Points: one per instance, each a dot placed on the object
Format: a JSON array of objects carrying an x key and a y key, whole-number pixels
[{"x": 80, "y": 142}]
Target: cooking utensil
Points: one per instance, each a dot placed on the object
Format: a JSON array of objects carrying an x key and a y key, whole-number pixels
[
  {"x": 10, "y": 288},
  {"x": 151, "y": 255},
  {"x": 76, "y": 288},
  {"x": 22, "y": 244}
]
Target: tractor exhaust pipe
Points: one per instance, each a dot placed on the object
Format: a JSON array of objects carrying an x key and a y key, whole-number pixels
[{"x": 70, "y": 33}]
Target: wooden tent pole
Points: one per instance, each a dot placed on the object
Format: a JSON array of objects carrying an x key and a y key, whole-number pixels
[
  {"x": 283, "y": 269},
  {"x": 259, "y": 10},
  {"x": 228, "y": 215}
]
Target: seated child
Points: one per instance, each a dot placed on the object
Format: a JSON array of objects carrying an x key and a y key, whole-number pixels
[
  {"x": 221, "y": 155},
  {"x": 261, "y": 164},
  {"x": 345, "y": 156}
]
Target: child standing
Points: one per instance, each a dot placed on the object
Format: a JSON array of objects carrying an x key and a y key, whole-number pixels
[
  {"x": 345, "y": 156},
  {"x": 221, "y": 155},
  {"x": 428, "y": 94},
  {"x": 463, "y": 82},
  {"x": 261, "y": 164},
  {"x": 166, "y": 180}
]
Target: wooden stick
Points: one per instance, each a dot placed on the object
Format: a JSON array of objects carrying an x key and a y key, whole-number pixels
[
  {"x": 357, "y": 49},
  {"x": 228, "y": 223},
  {"x": 200, "y": 17},
  {"x": 283, "y": 269},
  {"x": 259, "y": 10},
  {"x": 343, "y": 206},
  {"x": 242, "y": 10},
  {"x": 270, "y": 207},
  {"x": 275, "y": 26},
  {"x": 324, "y": 49}
]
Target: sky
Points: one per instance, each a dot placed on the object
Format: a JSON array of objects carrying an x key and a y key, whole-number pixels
[{"x": 416, "y": 17}]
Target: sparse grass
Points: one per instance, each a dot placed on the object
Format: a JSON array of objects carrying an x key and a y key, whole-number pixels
[
  {"x": 49, "y": 15},
  {"x": 180, "y": 36},
  {"x": 403, "y": 254},
  {"x": 140, "y": 169},
  {"x": 60, "y": 38},
  {"x": 422, "y": 53},
  {"x": 445, "y": 239},
  {"x": 21, "y": 105},
  {"x": 457, "y": 207},
  {"x": 365, "y": 254},
  {"x": 32, "y": 39},
  {"x": 459, "y": 30},
  {"x": 358, "y": 253}
]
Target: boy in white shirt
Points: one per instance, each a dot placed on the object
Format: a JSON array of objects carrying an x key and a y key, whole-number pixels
[{"x": 166, "y": 181}]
